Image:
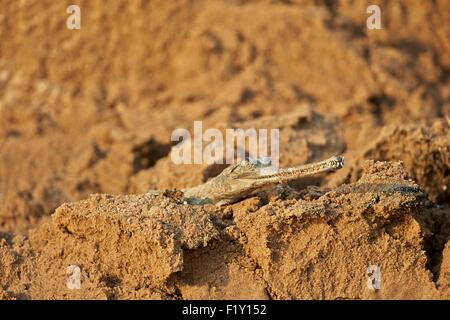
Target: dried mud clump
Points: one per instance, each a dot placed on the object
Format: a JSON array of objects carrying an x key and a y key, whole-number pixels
[
  {"x": 425, "y": 152},
  {"x": 321, "y": 249},
  {"x": 444, "y": 274},
  {"x": 132, "y": 242},
  {"x": 154, "y": 246}
]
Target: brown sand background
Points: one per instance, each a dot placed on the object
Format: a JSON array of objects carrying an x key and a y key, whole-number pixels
[{"x": 86, "y": 115}]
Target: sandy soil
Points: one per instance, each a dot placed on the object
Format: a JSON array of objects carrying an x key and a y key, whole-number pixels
[{"x": 85, "y": 123}]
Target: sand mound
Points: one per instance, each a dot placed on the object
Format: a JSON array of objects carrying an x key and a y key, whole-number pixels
[
  {"x": 300, "y": 247},
  {"x": 424, "y": 150}
]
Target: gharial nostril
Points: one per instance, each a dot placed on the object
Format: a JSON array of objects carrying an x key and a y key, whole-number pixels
[{"x": 338, "y": 162}]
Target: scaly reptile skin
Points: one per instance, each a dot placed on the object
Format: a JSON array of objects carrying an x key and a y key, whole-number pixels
[{"x": 240, "y": 180}]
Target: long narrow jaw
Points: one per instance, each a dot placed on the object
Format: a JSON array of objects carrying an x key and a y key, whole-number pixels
[
  {"x": 269, "y": 174},
  {"x": 240, "y": 180}
]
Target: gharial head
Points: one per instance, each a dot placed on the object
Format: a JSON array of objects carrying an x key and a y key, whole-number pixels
[
  {"x": 249, "y": 169},
  {"x": 250, "y": 174},
  {"x": 240, "y": 179}
]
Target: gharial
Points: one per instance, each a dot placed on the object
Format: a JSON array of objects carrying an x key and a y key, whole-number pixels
[{"x": 244, "y": 178}]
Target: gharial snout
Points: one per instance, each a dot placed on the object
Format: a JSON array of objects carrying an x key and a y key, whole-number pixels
[{"x": 339, "y": 162}]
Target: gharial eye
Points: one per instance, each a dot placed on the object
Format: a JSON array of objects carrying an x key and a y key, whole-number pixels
[{"x": 238, "y": 167}]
